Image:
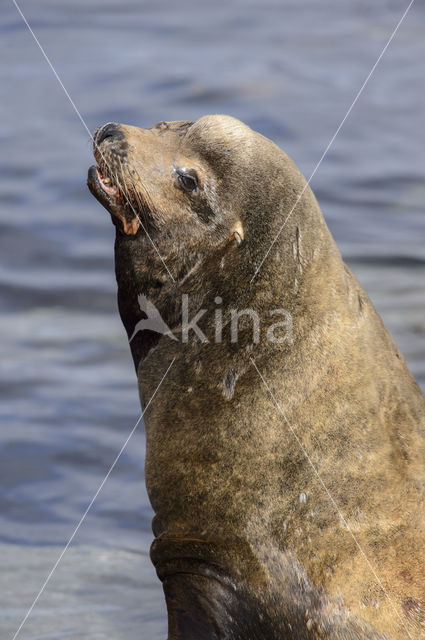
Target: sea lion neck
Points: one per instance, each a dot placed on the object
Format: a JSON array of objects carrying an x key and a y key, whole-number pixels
[{"x": 222, "y": 283}]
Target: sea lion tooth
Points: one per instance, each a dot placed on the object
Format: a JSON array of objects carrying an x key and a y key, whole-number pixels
[{"x": 238, "y": 234}]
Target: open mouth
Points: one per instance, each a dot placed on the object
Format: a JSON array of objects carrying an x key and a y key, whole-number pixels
[
  {"x": 109, "y": 195},
  {"x": 102, "y": 187},
  {"x": 107, "y": 184}
]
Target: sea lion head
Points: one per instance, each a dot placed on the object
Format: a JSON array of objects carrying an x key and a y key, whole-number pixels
[
  {"x": 196, "y": 206},
  {"x": 167, "y": 177}
]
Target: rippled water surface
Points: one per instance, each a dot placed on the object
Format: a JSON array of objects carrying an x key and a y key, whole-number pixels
[{"x": 290, "y": 69}]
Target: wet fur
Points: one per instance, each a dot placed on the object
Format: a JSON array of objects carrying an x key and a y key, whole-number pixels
[{"x": 224, "y": 472}]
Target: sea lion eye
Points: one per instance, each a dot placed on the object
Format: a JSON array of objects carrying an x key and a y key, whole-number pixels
[{"x": 187, "y": 181}]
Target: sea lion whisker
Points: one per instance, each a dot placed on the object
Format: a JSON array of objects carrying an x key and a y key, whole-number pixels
[
  {"x": 136, "y": 197},
  {"x": 146, "y": 232},
  {"x": 120, "y": 179},
  {"x": 126, "y": 192},
  {"x": 123, "y": 186},
  {"x": 141, "y": 206},
  {"x": 144, "y": 200},
  {"x": 148, "y": 204}
]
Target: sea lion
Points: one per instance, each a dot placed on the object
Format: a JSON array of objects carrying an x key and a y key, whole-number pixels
[{"x": 287, "y": 476}]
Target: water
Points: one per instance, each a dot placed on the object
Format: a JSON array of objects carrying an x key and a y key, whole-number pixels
[{"x": 288, "y": 68}]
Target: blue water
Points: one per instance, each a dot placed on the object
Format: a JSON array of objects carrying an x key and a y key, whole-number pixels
[{"x": 290, "y": 69}]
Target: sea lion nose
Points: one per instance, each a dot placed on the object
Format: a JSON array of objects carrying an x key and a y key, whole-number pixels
[{"x": 109, "y": 130}]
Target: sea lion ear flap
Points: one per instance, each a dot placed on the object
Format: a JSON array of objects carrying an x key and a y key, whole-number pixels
[{"x": 238, "y": 233}]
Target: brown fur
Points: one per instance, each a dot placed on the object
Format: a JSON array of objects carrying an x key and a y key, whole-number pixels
[{"x": 247, "y": 540}]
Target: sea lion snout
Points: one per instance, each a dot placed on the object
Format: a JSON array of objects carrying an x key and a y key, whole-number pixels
[
  {"x": 109, "y": 181},
  {"x": 166, "y": 177}
]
